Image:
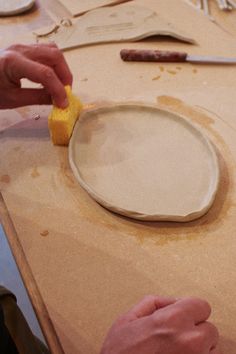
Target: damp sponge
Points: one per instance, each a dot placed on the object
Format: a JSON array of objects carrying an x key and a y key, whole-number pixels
[{"x": 61, "y": 121}]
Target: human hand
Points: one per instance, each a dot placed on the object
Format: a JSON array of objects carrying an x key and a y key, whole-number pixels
[
  {"x": 164, "y": 326},
  {"x": 40, "y": 63}
]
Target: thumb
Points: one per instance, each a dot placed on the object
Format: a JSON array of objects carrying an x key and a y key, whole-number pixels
[{"x": 149, "y": 305}]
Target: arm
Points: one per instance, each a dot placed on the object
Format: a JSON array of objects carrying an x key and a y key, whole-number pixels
[
  {"x": 164, "y": 326},
  {"x": 43, "y": 64}
]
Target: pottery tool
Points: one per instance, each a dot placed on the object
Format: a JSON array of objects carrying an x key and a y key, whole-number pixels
[
  {"x": 61, "y": 121},
  {"x": 225, "y": 5},
  {"x": 201, "y": 5},
  {"x": 205, "y": 7},
  {"x": 232, "y": 4},
  {"x": 168, "y": 57}
]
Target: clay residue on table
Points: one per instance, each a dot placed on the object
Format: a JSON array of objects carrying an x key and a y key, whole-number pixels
[
  {"x": 44, "y": 233},
  {"x": 172, "y": 72},
  {"x": 178, "y": 106},
  {"x": 65, "y": 171},
  {"x": 156, "y": 78},
  {"x": 35, "y": 173}
]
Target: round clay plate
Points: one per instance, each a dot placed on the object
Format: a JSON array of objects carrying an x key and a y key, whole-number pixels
[
  {"x": 14, "y": 7},
  {"x": 144, "y": 163}
]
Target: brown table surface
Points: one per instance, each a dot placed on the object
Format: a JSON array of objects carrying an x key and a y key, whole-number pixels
[{"x": 92, "y": 265}]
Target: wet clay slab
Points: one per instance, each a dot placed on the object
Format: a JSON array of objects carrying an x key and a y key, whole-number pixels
[
  {"x": 14, "y": 7},
  {"x": 110, "y": 24},
  {"x": 78, "y": 7},
  {"x": 144, "y": 163}
]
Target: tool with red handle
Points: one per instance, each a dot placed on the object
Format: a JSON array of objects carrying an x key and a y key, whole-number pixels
[{"x": 171, "y": 57}]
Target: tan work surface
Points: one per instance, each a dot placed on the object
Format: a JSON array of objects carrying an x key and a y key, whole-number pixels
[{"x": 91, "y": 265}]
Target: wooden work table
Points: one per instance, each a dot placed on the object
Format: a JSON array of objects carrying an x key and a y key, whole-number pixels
[{"x": 83, "y": 265}]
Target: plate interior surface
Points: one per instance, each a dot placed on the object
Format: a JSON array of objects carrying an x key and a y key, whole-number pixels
[{"x": 145, "y": 163}]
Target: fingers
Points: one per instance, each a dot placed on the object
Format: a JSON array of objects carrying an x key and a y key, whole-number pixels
[
  {"x": 149, "y": 305},
  {"x": 24, "y": 97},
  {"x": 209, "y": 334},
  {"x": 197, "y": 309},
  {"x": 22, "y": 67},
  {"x": 50, "y": 55},
  {"x": 44, "y": 64}
]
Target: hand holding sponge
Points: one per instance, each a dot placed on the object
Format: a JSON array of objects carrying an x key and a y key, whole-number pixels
[{"x": 61, "y": 122}]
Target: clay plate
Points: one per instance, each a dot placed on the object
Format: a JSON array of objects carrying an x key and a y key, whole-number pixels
[{"x": 144, "y": 163}]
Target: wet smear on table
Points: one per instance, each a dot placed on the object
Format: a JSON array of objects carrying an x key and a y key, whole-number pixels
[
  {"x": 84, "y": 80},
  {"x": 16, "y": 148},
  {"x": 178, "y": 68},
  {"x": 161, "y": 68},
  {"x": 156, "y": 78},
  {"x": 179, "y": 106},
  {"x": 35, "y": 173},
  {"x": 67, "y": 174},
  {"x": 195, "y": 71},
  {"x": 172, "y": 72},
  {"x": 5, "y": 179}
]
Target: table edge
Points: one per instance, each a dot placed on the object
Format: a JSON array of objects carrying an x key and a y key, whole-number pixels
[{"x": 29, "y": 281}]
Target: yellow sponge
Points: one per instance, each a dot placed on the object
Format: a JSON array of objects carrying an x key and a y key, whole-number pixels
[{"x": 61, "y": 121}]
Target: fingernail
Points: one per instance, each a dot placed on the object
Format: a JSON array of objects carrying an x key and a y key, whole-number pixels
[{"x": 65, "y": 103}]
